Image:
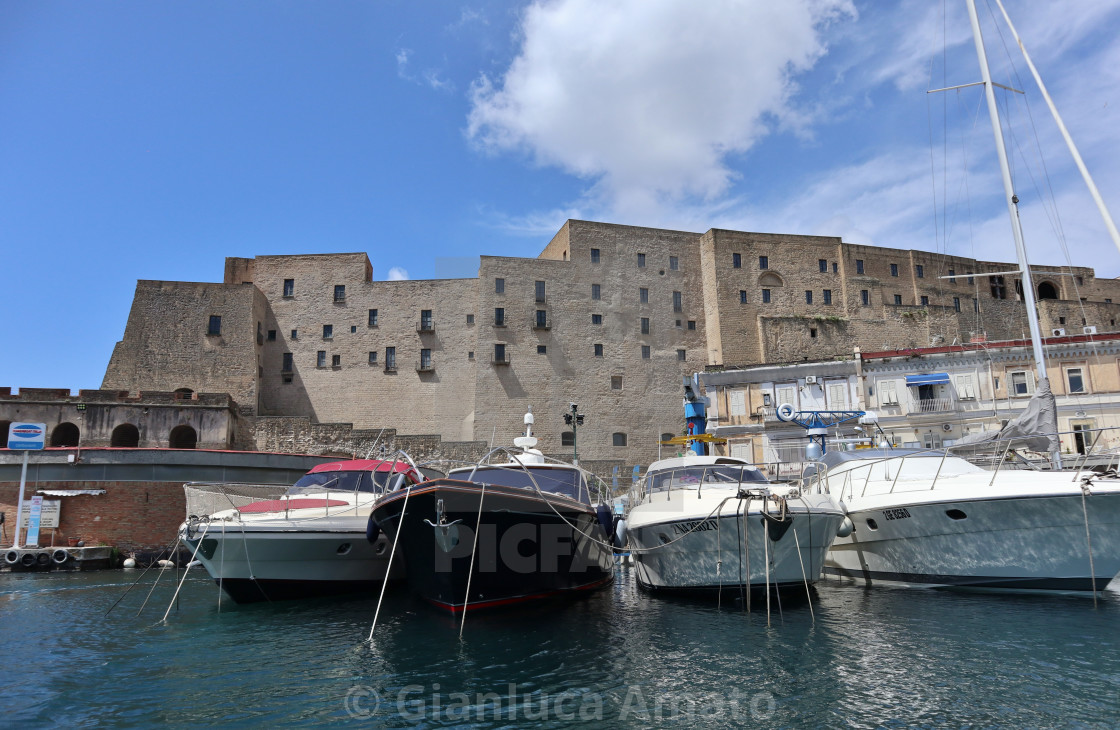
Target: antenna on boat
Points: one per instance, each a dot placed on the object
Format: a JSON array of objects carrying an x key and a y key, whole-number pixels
[{"x": 527, "y": 441}]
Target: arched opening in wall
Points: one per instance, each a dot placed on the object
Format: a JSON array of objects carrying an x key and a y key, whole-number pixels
[
  {"x": 65, "y": 434},
  {"x": 126, "y": 436},
  {"x": 182, "y": 437},
  {"x": 4, "y": 426},
  {"x": 567, "y": 438},
  {"x": 770, "y": 280},
  {"x": 184, "y": 394},
  {"x": 1046, "y": 290}
]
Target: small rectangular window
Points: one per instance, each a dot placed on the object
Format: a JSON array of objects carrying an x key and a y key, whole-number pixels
[
  {"x": 287, "y": 365},
  {"x": 919, "y": 271},
  {"x": 682, "y": 355},
  {"x": 336, "y": 361},
  {"x": 596, "y": 292},
  {"x": 865, "y": 297},
  {"x": 1076, "y": 380},
  {"x": 499, "y": 352},
  {"x": 898, "y": 299},
  {"x": 678, "y": 303},
  {"x": 835, "y": 268},
  {"x": 340, "y": 292},
  {"x": 674, "y": 263},
  {"x": 470, "y": 355},
  {"x": 643, "y": 295},
  {"x": 272, "y": 335},
  {"x": 542, "y": 349},
  {"x": 645, "y": 352},
  {"x": 826, "y": 296},
  {"x": 594, "y": 255},
  {"x": 743, "y": 296},
  {"x": 321, "y": 359},
  {"x": 808, "y": 296},
  {"x": 925, "y": 301},
  {"x": 641, "y": 261},
  {"x": 765, "y": 296},
  {"x": 215, "y": 327},
  {"x": 499, "y": 286},
  {"x": 539, "y": 290},
  {"x": 894, "y": 269},
  {"x": 353, "y": 328},
  {"x": 289, "y": 287},
  {"x": 692, "y": 324},
  {"x": 295, "y": 334},
  {"x": 470, "y": 319},
  {"x": 618, "y": 439},
  {"x": 373, "y": 318},
  {"x": 425, "y": 359},
  {"x": 426, "y": 324},
  {"x": 737, "y": 261},
  {"x": 859, "y": 266},
  {"x": 763, "y": 262},
  {"x": 616, "y": 382},
  {"x": 328, "y": 331},
  {"x": 645, "y": 325},
  {"x": 390, "y": 358},
  {"x": 971, "y": 278},
  {"x": 822, "y": 264},
  {"x": 975, "y": 304},
  {"x": 373, "y": 357},
  {"x": 596, "y": 319},
  {"x": 499, "y": 317},
  {"x": 542, "y": 319},
  {"x": 813, "y": 332},
  {"x": 956, "y": 304},
  {"x": 598, "y": 350},
  {"x": 952, "y": 277}
]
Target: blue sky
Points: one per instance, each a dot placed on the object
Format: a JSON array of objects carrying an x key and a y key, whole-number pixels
[{"x": 150, "y": 140}]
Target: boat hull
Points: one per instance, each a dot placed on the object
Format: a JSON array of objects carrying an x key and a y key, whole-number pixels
[
  {"x": 1015, "y": 543},
  {"x": 690, "y": 544},
  {"x": 268, "y": 563},
  {"x": 529, "y": 546}
]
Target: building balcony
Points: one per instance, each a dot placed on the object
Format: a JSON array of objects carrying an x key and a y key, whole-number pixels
[
  {"x": 503, "y": 361},
  {"x": 425, "y": 367},
  {"x": 426, "y": 326}
]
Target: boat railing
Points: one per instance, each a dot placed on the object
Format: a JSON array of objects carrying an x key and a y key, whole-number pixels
[{"x": 698, "y": 477}]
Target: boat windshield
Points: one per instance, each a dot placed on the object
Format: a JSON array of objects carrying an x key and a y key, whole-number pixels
[
  {"x": 688, "y": 477},
  {"x": 567, "y": 482},
  {"x": 341, "y": 481}
]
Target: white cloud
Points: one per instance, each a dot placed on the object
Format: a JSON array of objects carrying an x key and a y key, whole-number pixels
[
  {"x": 397, "y": 274},
  {"x": 645, "y": 99}
]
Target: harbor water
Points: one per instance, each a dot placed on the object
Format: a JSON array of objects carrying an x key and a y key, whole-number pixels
[{"x": 618, "y": 658}]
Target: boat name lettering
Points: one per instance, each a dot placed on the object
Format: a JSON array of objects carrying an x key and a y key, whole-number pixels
[
  {"x": 899, "y": 513},
  {"x": 681, "y": 528}
]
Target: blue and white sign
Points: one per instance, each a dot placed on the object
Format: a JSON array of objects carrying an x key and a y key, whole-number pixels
[
  {"x": 27, "y": 436},
  {"x": 33, "y": 522}
]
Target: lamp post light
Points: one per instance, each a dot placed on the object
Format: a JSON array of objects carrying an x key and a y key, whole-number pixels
[{"x": 574, "y": 419}]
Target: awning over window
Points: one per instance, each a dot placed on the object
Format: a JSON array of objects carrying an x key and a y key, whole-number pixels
[
  {"x": 928, "y": 379},
  {"x": 69, "y": 492}
]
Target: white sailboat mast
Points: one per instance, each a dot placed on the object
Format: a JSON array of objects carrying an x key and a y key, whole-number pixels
[{"x": 1012, "y": 199}]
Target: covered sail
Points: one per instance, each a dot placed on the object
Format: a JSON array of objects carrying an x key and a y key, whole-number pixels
[{"x": 1036, "y": 428}]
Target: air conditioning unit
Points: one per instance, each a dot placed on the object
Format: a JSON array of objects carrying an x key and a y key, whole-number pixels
[
  {"x": 1058, "y": 332},
  {"x": 946, "y": 427},
  {"x": 1089, "y": 330},
  {"x": 810, "y": 380}
]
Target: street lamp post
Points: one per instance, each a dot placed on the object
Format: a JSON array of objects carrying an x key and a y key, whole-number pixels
[{"x": 574, "y": 419}]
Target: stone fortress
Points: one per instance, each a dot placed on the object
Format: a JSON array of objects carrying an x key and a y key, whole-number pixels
[{"x": 319, "y": 358}]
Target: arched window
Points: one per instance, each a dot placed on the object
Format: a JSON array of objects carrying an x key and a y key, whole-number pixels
[
  {"x": 184, "y": 394},
  {"x": 125, "y": 435},
  {"x": 65, "y": 434},
  {"x": 567, "y": 438},
  {"x": 770, "y": 280},
  {"x": 182, "y": 437},
  {"x": 1046, "y": 290}
]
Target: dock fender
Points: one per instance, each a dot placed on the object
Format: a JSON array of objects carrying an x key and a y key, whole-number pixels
[
  {"x": 845, "y": 527},
  {"x": 620, "y": 531},
  {"x": 603, "y": 512},
  {"x": 43, "y": 559},
  {"x": 11, "y": 557},
  {"x": 27, "y": 559},
  {"x": 373, "y": 530},
  {"x": 60, "y": 556}
]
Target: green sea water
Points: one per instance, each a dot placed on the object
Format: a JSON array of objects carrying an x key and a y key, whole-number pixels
[{"x": 853, "y": 658}]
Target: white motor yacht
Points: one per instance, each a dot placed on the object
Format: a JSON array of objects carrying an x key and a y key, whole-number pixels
[
  {"x": 712, "y": 523},
  {"x": 317, "y": 538},
  {"x": 934, "y": 519}
]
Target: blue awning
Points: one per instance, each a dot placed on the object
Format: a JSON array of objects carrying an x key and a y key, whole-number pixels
[{"x": 928, "y": 379}]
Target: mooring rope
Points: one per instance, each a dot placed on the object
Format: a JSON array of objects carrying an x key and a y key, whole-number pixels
[
  {"x": 186, "y": 571},
  {"x": 766, "y": 560},
  {"x": 155, "y": 562},
  {"x": 808, "y": 595},
  {"x": 158, "y": 576},
  {"x": 470, "y": 568},
  {"x": 719, "y": 564},
  {"x": 389, "y": 567},
  {"x": 1088, "y": 541}
]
